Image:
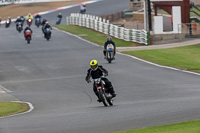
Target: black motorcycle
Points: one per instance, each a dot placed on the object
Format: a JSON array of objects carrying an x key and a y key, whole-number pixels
[
  {"x": 103, "y": 92},
  {"x": 19, "y": 27},
  {"x": 110, "y": 53},
  {"x": 38, "y": 22},
  {"x": 58, "y": 20},
  {"x": 7, "y": 23},
  {"x": 47, "y": 33}
]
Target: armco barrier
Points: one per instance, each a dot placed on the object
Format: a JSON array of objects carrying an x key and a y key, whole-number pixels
[{"x": 103, "y": 26}]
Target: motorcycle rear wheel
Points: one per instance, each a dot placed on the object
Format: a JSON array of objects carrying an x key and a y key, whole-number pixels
[
  {"x": 28, "y": 39},
  {"x": 109, "y": 58}
]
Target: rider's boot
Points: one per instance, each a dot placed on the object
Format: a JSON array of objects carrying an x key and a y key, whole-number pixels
[
  {"x": 98, "y": 100},
  {"x": 112, "y": 92}
]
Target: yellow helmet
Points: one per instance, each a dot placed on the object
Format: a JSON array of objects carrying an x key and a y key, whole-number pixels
[{"x": 94, "y": 65}]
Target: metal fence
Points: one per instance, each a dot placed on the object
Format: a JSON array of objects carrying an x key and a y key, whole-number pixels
[
  {"x": 103, "y": 26},
  {"x": 190, "y": 30}
]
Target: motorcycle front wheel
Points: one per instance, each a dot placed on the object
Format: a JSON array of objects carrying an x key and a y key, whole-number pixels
[{"x": 103, "y": 98}]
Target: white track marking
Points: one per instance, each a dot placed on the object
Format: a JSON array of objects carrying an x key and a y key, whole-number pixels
[{"x": 3, "y": 89}]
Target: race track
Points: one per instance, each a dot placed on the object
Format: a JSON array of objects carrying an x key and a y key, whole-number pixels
[{"x": 51, "y": 76}]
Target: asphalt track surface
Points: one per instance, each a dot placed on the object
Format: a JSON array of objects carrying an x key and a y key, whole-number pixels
[{"x": 51, "y": 76}]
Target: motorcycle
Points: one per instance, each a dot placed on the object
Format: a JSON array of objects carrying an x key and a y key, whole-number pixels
[
  {"x": 37, "y": 22},
  {"x": 47, "y": 33},
  {"x": 110, "y": 53},
  {"x": 29, "y": 22},
  {"x": 103, "y": 93},
  {"x": 19, "y": 27},
  {"x": 7, "y": 23},
  {"x": 28, "y": 35},
  {"x": 58, "y": 20}
]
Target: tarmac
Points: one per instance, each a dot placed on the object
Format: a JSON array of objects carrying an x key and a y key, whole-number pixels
[{"x": 161, "y": 46}]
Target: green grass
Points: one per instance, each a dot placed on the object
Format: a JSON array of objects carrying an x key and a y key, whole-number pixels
[
  {"x": 10, "y": 108},
  {"x": 185, "y": 127},
  {"x": 93, "y": 36},
  {"x": 186, "y": 58}
]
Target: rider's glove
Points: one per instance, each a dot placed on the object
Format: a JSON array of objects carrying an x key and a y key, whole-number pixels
[{"x": 88, "y": 80}]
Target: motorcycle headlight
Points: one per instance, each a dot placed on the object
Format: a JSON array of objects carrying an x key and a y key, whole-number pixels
[
  {"x": 110, "y": 47},
  {"x": 97, "y": 81}
]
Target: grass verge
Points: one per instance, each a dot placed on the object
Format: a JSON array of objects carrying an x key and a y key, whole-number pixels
[
  {"x": 93, "y": 36},
  {"x": 185, "y": 58},
  {"x": 10, "y": 108},
  {"x": 185, "y": 127}
]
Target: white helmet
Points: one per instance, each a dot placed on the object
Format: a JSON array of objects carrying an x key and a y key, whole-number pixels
[{"x": 109, "y": 38}]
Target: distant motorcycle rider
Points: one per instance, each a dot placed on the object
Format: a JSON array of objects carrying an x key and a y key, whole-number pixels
[
  {"x": 9, "y": 19},
  {"x": 22, "y": 19},
  {"x": 47, "y": 26},
  {"x": 44, "y": 21},
  {"x": 17, "y": 21},
  {"x": 109, "y": 41},
  {"x": 43, "y": 24},
  {"x": 37, "y": 16},
  {"x": 27, "y": 28},
  {"x": 97, "y": 71},
  {"x": 29, "y": 16},
  {"x": 83, "y": 8},
  {"x": 59, "y": 18}
]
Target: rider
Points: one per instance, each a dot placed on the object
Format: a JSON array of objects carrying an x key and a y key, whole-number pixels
[
  {"x": 27, "y": 28},
  {"x": 83, "y": 8},
  {"x": 29, "y": 16},
  {"x": 44, "y": 21},
  {"x": 17, "y": 21},
  {"x": 47, "y": 26},
  {"x": 22, "y": 19},
  {"x": 37, "y": 16},
  {"x": 43, "y": 24},
  {"x": 97, "y": 71},
  {"x": 59, "y": 16},
  {"x": 109, "y": 41},
  {"x": 9, "y": 20}
]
